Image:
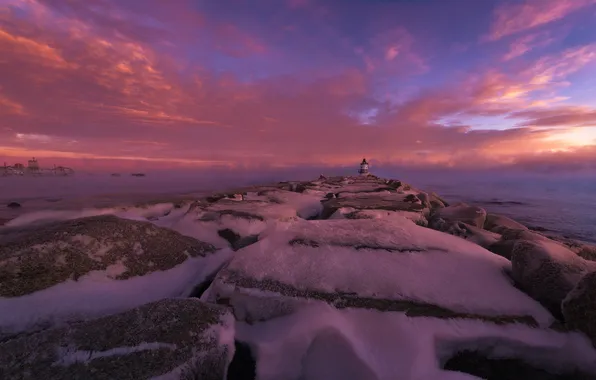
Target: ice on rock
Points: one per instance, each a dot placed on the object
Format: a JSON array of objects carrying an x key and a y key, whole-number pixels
[{"x": 377, "y": 264}]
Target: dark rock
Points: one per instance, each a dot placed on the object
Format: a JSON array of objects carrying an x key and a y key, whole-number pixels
[
  {"x": 425, "y": 200},
  {"x": 236, "y": 241},
  {"x": 243, "y": 365},
  {"x": 228, "y": 234},
  {"x": 37, "y": 258},
  {"x": 174, "y": 337},
  {"x": 503, "y": 368},
  {"x": 474, "y": 234},
  {"x": 538, "y": 229},
  {"x": 579, "y": 307},
  {"x": 214, "y": 198},
  {"x": 411, "y": 198},
  {"x": 547, "y": 271},
  {"x": 13, "y": 205},
  {"x": 437, "y": 200}
]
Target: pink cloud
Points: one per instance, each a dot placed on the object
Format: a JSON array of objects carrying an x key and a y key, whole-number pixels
[
  {"x": 80, "y": 92},
  {"x": 511, "y": 18}
]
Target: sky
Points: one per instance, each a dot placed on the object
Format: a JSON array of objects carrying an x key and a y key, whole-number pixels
[{"x": 257, "y": 84}]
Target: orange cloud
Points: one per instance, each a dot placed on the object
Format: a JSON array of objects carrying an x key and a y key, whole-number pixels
[{"x": 512, "y": 18}]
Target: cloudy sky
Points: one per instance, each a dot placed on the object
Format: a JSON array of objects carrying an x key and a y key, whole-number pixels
[{"x": 437, "y": 83}]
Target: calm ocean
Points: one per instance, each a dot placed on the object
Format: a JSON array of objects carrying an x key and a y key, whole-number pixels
[{"x": 563, "y": 205}]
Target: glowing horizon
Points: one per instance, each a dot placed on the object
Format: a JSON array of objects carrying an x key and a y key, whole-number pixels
[{"x": 457, "y": 83}]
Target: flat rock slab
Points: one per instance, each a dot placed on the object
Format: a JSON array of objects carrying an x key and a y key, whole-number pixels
[
  {"x": 393, "y": 202},
  {"x": 389, "y": 265},
  {"x": 181, "y": 338},
  {"x": 33, "y": 259}
]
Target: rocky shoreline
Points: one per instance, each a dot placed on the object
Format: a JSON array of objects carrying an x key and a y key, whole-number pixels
[{"x": 256, "y": 280}]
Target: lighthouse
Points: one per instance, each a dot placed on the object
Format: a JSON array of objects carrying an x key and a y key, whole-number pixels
[{"x": 363, "y": 167}]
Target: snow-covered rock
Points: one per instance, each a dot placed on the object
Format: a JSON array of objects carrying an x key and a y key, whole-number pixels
[
  {"x": 579, "y": 307},
  {"x": 497, "y": 223},
  {"x": 474, "y": 234},
  {"x": 383, "y": 264},
  {"x": 459, "y": 212},
  {"x": 168, "y": 339},
  {"x": 235, "y": 223},
  {"x": 547, "y": 271},
  {"x": 94, "y": 266}
]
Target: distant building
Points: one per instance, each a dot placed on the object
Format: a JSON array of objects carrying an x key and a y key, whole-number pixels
[
  {"x": 33, "y": 168},
  {"x": 363, "y": 167},
  {"x": 33, "y": 165}
]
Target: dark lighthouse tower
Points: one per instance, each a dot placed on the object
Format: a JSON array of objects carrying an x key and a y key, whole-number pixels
[{"x": 363, "y": 167}]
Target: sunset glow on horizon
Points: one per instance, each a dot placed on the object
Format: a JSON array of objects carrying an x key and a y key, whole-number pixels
[{"x": 189, "y": 83}]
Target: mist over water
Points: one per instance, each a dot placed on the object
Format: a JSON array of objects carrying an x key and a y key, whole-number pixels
[{"x": 566, "y": 205}]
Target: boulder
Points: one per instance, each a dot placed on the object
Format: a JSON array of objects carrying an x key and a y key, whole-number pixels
[
  {"x": 13, "y": 205},
  {"x": 509, "y": 237},
  {"x": 436, "y": 201},
  {"x": 36, "y": 259},
  {"x": 474, "y": 234},
  {"x": 380, "y": 264},
  {"x": 425, "y": 200},
  {"x": 174, "y": 338},
  {"x": 547, "y": 271},
  {"x": 461, "y": 212},
  {"x": 497, "y": 223},
  {"x": 579, "y": 307},
  {"x": 90, "y": 267}
]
